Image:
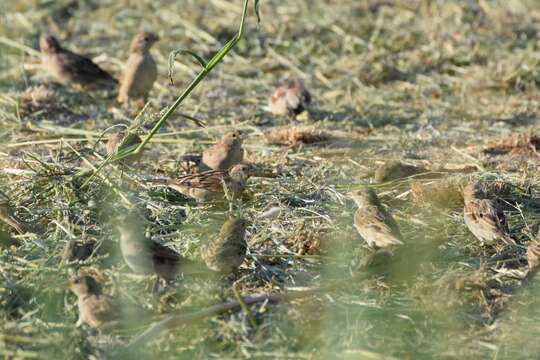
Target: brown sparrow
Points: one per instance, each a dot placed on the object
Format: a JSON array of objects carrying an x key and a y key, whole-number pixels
[
  {"x": 69, "y": 68},
  {"x": 95, "y": 308},
  {"x": 226, "y": 252},
  {"x": 373, "y": 222},
  {"x": 484, "y": 219},
  {"x": 144, "y": 255},
  {"x": 210, "y": 185},
  {"x": 394, "y": 170},
  {"x": 140, "y": 71},
  {"x": 122, "y": 140},
  {"x": 226, "y": 153},
  {"x": 289, "y": 101}
]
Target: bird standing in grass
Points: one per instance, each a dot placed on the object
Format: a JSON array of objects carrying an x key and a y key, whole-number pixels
[
  {"x": 122, "y": 140},
  {"x": 70, "y": 68},
  {"x": 226, "y": 252},
  {"x": 373, "y": 222},
  {"x": 210, "y": 185},
  {"x": 224, "y": 154},
  {"x": 483, "y": 217},
  {"x": 144, "y": 255},
  {"x": 289, "y": 101},
  {"x": 95, "y": 308},
  {"x": 140, "y": 71},
  {"x": 8, "y": 216}
]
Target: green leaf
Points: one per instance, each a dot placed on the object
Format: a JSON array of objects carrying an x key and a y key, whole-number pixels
[{"x": 257, "y": 3}]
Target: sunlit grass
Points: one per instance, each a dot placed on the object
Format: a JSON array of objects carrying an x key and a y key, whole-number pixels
[{"x": 428, "y": 81}]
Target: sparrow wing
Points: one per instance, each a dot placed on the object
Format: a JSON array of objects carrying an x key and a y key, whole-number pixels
[
  {"x": 82, "y": 68},
  {"x": 489, "y": 222},
  {"x": 163, "y": 253},
  {"x": 377, "y": 227},
  {"x": 209, "y": 180}
]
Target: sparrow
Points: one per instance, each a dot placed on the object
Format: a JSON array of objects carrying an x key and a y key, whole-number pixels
[
  {"x": 373, "y": 222},
  {"x": 226, "y": 252},
  {"x": 95, "y": 308},
  {"x": 143, "y": 255},
  {"x": 69, "y": 68},
  {"x": 8, "y": 216},
  {"x": 140, "y": 71},
  {"x": 122, "y": 140},
  {"x": 394, "y": 170},
  {"x": 289, "y": 101},
  {"x": 210, "y": 185},
  {"x": 484, "y": 219},
  {"x": 533, "y": 253},
  {"x": 224, "y": 154}
]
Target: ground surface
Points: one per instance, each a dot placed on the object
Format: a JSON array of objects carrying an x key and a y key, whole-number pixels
[{"x": 428, "y": 82}]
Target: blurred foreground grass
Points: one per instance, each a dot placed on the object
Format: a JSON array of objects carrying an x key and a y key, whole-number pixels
[{"x": 426, "y": 81}]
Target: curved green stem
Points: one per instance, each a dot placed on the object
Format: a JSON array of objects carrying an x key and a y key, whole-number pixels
[{"x": 202, "y": 74}]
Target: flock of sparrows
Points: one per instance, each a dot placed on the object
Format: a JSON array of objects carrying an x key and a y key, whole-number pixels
[
  {"x": 217, "y": 173},
  {"x": 482, "y": 213},
  {"x": 220, "y": 172}
]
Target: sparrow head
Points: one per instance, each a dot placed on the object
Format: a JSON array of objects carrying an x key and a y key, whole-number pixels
[
  {"x": 364, "y": 197},
  {"x": 48, "y": 44},
  {"x": 84, "y": 285},
  {"x": 143, "y": 41},
  {"x": 233, "y": 138},
  {"x": 235, "y": 226},
  {"x": 473, "y": 190}
]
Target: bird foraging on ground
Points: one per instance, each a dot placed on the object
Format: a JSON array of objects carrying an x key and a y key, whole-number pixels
[
  {"x": 95, "y": 308},
  {"x": 7, "y": 215},
  {"x": 143, "y": 255},
  {"x": 122, "y": 140},
  {"x": 140, "y": 71},
  {"x": 373, "y": 222},
  {"x": 226, "y": 252},
  {"x": 289, "y": 101},
  {"x": 211, "y": 185},
  {"x": 70, "y": 68},
  {"x": 224, "y": 154},
  {"x": 484, "y": 218}
]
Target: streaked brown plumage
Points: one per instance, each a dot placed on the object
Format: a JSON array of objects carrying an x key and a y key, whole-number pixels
[
  {"x": 140, "y": 71},
  {"x": 226, "y": 252},
  {"x": 122, "y": 140},
  {"x": 144, "y": 255},
  {"x": 483, "y": 217},
  {"x": 95, "y": 308},
  {"x": 209, "y": 185},
  {"x": 394, "y": 170},
  {"x": 226, "y": 153},
  {"x": 376, "y": 226},
  {"x": 8, "y": 216},
  {"x": 289, "y": 101},
  {"x": 70, "y": 68}
]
